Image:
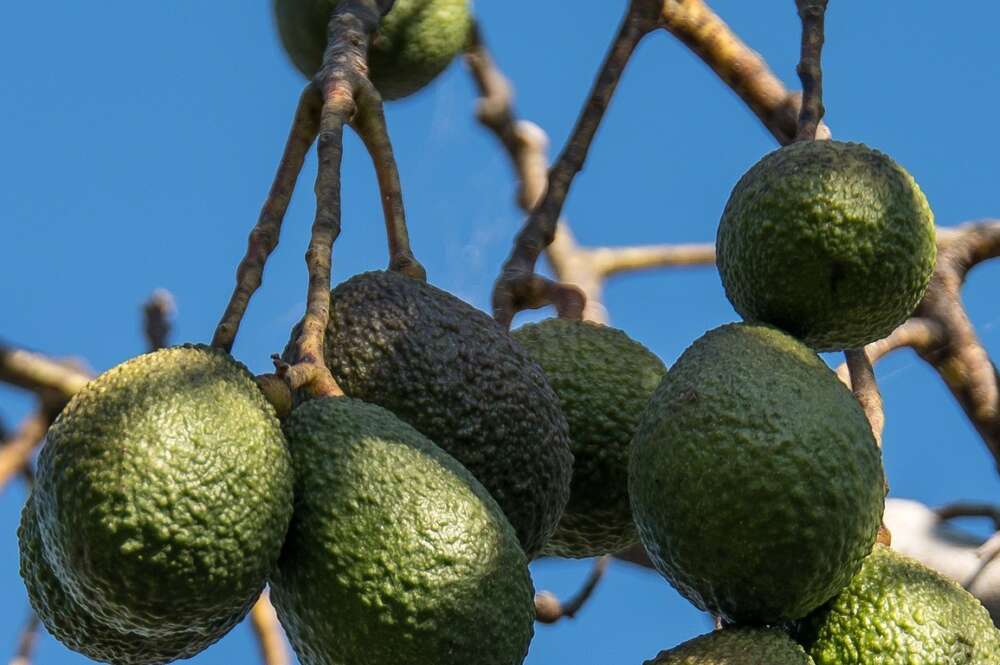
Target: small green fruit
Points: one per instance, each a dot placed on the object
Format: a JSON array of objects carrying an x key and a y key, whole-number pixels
[
  {"x": 603, "y": 380},
  {"x": 396, "y": 554},
  {"x": 736, "y": 646},
  {"x": 754, "y": 478},
  {"x": 415, "y": 42},
  {"x": 832, "y": 242},
  {"x": 897, "y": 610}
]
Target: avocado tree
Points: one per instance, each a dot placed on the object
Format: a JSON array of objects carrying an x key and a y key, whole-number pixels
[{"x": 357, "y": 57}]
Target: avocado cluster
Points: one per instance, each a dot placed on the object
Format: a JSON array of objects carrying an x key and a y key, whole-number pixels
[{"x": 415, "y": 41}]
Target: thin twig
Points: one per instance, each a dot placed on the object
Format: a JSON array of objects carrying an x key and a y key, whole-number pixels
[
  {"x": 369, "y": 122},
  {"x": 343, "y": 79},
  {"x": 916, "y": 333},
  {"x": 26, "y": 641},
  {"x": 156, "y": 314},
  {"x": 695, "y": 25},
  {"x": 548, "y": 608},
  {"x": 518, "y": 287},
  {"x": 267, "y": 629},
  {"x": 969, "y": 509},
  {"x": 613, "y": 260},
  {"x": 264, "y": 236},
  {"x": 810, "y": 70},
  {"x": 865, "y": 390}
]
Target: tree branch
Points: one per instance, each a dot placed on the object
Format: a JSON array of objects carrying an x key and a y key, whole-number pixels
[
  {"x": 156, "y": 314},
  {"x": 548, "y": 608},
  {"x": 812, "y": 13},
  {"x": 264, "y": 236},
  {"x": 267, "y": 629},
  {"x": 518, "y": 287},
  {"x": 865, "y": 389},
  {"x": 26, "y": 641},
  {"x": 695, "y": 25},
  {"x": 37, "y": 373},
  {"x": 15, "y": 453}
]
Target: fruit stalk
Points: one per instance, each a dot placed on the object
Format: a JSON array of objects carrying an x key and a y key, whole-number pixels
[
  {"x": 812, "y": 13},
  {"x": 549, "y": 609},
  {"x": 264, "y": 236},
  {"x": 518, "y": 287},
  {"x": 865, "y": 389}
]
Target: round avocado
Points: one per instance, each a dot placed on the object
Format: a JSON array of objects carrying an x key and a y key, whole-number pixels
[
  {"x": 415, "y": 42},
  {"x": 162, "y": 498},
  {"x": 396, "y": 554},
  {"x": 897, "y": 610},
  {"x": 832, "y": 242},
  {"x": 455, "y": 375},
  {"x": 736, "y": 646},
  {"x": 603, "y": 379},
  {"x": 755, "y": 481}
]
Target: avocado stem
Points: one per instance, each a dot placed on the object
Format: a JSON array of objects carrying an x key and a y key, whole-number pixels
[{"x": 810, "y": 70}]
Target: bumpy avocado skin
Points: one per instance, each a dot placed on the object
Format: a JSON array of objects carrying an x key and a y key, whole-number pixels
[
  {"x": 80, "y": 630},
  {"x": 162, "y": 498},
  {"x": 416, "y": 40},
  {"x": 755, "y": 481},
  {"x": 603, "y": 379},
  {"x": 897, "y": 610},
  {"x": 396, "y": 554},
  {"x": 832, "y": 242},
  {"x": 736, "y": 646},
  {"x": 454, "y": 374}
]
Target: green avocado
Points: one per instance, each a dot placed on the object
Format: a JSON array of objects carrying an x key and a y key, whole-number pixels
[
  {"x": 736, "y": 646},
  {"x": 603, "y": 379},
  {"x": 832, "y": 242},
  {"x": 415, "y": 42},
  {"x": 897, "y": 610},
  {"x": 160, "y": 505},
  {"x": 755, "y": 481},
  {"x": 396, "y": 554},
  {"x": 454, "y": 374}
]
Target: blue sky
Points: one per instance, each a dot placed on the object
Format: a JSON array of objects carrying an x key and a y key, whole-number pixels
[{"x": 137, "y": 142}]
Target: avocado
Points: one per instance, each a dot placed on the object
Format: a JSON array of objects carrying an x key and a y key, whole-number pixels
[
  {"x": 736, "y": 646},
  {"x": 603, "y": 379},
  {"x": 754, "y": 477},
  {"x": 897, "y": 610},
  {"x": 396, "y": 554},
  {"x": 454, "y": 374},
  {"x": 832, "y": 242},
  {"x": 161, "y": 502},
  {"x": 415, "y": 42}
]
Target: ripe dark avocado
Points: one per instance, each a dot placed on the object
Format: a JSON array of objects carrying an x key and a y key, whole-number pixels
[
  {"x": 755, "y": 481},
  {"x": 603, "y": 379},
  {"x": 454, "y": 374},
  {"x": 832, "y": 242},
  {"x": 736, "y": 646},
  {"x": 897, "y": 610},
  {"x": 415, "y": 42},
  {"x": 161, "y": 501},
  {"x": 396, "y": 554}
]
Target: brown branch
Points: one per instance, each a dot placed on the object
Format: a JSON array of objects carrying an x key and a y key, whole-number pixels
[
  {"x": 369, "y": 123},
  {"x": 966, "y": 509},
  {"x": 810, "y": 71},
  {"x": 865, "y": 389},
  {"x": 37, "y": 373},
  {"x": 695, "y": 25},
  {"x": 518, "y": 287},
  {"x": 26, "y": 641},
  {"x": 156, "y": 314},
  {"x": 15, "y": 453},
  {"x": 343, "y": 80},
  {"x": 613, "y": 260},
  {"x": 264, "y": 237},
  {"x": 549, "y": 609},
  {"x": 916, "y": 333},
  {"x": 267, "y": 629}
]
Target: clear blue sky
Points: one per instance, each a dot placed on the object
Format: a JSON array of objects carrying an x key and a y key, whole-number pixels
[{"x": 138, "y": 139}]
